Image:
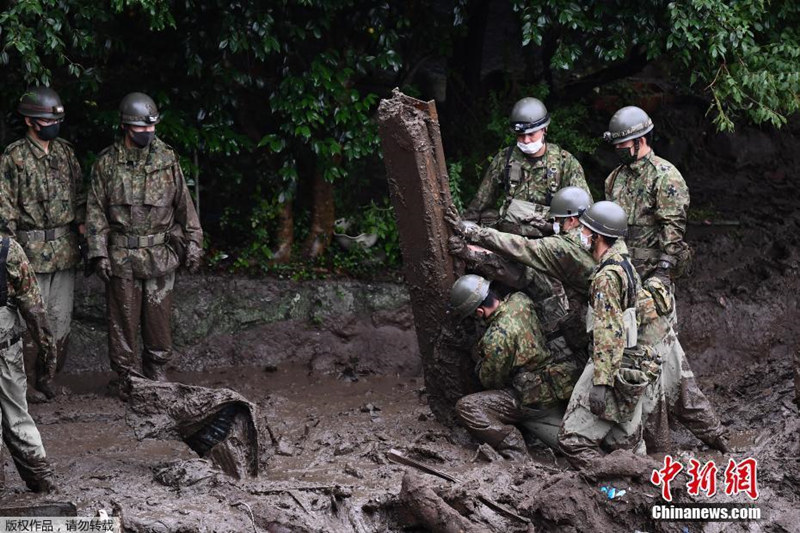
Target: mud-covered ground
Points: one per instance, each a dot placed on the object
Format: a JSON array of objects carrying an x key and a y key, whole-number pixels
[{"x": 333, "y": 414}]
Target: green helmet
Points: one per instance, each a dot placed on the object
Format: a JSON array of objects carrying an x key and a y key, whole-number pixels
[
  {"x": 138, "y": 109},
  {"x": 570, "y": 202},
  {"x": 627, "y": 123},
  {"x": 529, "y": 115},
  {"x": 41, "y": 102},
  {"x": 606, "y": 218},
  {"x": 467, "y": 294}
]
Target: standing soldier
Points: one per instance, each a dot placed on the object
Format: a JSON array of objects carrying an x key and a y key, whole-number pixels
[
  {"x": 605, "y": 410},
  {"x": 20, "y": 295},
  {"x": 43, "y": 205},
  {"x": 654, "y": 195},
  {"x": 141, "y": 225},
  {"x": 518, "y": 186}
]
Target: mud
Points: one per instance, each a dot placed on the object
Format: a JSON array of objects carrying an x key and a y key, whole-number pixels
[{"x": 334, "y": 370}]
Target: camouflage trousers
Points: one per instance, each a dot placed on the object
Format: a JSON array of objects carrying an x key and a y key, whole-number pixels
[
  {"x": 19, "y": 431},
  {"x": 677, "y": 397},
  {"x": 585, "y": 436},
  {"x": 492, "y": 417},
  {"x": 131, "y": 303}
]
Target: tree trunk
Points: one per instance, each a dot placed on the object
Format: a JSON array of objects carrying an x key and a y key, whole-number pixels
[
  {"x": 418, "y": 186},
  {"x": 283, "y": 254},
  {"x": 322, "y": 217}
]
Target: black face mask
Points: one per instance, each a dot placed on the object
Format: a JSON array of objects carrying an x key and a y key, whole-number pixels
[
  {"x": 624, "y": 155},
  {"x": 48, "y": 133},
  {"x": 142, "y": 138}
]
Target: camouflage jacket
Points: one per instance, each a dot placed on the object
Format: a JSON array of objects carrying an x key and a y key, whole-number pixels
[
  {"x": 654, "y": 195},
  {"x": 560, "y": 256},
  {"x": 513, "y": 354},
  {"x": 139, "y": 192},
  {"x": 525, "y": 178},
  {"x": 43, "y": 191},
  {"x": 24, "y": 296},
  {"x": 608, "y": 299}
]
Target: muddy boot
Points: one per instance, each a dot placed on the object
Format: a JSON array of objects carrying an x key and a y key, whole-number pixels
[
  {"x": 720, "y": 443},
  {"x": 120, "y": 387},
  {"x": 513, "y": 447},
  {"x": 34, "y": 396},
  {"x": 37, "y": 474},
  {"x": 155, "y": 371}
]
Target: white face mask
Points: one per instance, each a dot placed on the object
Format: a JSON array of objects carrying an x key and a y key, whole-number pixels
[
  {"x": 556, "y": 228},
  {"x": 586, "y": 241},
  {"x": 530, "y": 148}
]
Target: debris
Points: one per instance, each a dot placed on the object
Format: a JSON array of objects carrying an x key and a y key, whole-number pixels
[{"x": 612, "y": 492}]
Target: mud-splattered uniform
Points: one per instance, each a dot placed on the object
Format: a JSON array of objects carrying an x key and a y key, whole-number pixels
[
  {"x": 42, "y": 203},
  {"x": 138, "y": 209},
  {"x": 19, "y": 431},
  {"x": 521, "y": 375},
  {"x": 679, "y": 397},
  {"x": 583, "y": 433}
]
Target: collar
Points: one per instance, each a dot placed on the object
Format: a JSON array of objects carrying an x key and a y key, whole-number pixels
[
  {"x": 36, "y": 148},
  {"x": 642, "y": 162}
]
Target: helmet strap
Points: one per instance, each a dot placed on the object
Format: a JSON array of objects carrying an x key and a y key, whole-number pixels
[{"x": 636, "y": 148}]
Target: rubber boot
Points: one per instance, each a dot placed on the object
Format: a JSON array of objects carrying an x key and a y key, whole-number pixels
[
  {"x": 155, "y": 371},
  {"x": 36, "y": 473},
  {"x": 513, "y": 447}
]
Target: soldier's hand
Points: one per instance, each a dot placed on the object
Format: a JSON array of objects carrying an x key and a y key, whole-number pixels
[
  {"x": 663, "y": 275},
  {"x": 45, "y": 373},
  {"x": 463, "y": 228},
  {"x": 102, "y": 267},
  {"x": 193, "y": 256},
  {"x": 597, "y": 399}
]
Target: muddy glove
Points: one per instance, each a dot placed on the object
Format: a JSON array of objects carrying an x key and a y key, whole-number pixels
[
  {"x": 663, "y": 271},
  {"x": 460, "y": 227},
  {"x": 193, "y": 256},
  {"x": 102, "y": 267},
  {"x": 45, "y": 372},
  {"x": 597, "y": 399}
]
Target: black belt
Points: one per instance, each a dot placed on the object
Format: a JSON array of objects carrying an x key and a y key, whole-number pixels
[{"x": 8, "y": 343}]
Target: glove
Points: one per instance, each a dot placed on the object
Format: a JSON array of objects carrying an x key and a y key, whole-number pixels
[
  {"x": 663, "y": 275},
  {"x": 193, "y": 256},
  {"x": 460, "y": 227},
  {"x": 597, "y": 399},
  {"x": 102, "y": 267},
  {"x": 45, "y": 372}
]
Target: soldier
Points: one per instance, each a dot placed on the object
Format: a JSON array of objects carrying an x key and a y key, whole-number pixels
[
  {"x": 563, "y": 257},
  {"x": 606, "y": 407},
  {"x": 43, "y": 204},
  {"x": 141, "y": 224},
  {"x": 654, "y": 195},
  {"x": 518, "y": 186},
  {"x": 525, "y": 384},
  {"x": 20, "y": 295}
]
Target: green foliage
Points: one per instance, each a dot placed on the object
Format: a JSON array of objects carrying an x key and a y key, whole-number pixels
[
  {"x": 743, "y": 55},
  {"x": 455, "y": 175}
]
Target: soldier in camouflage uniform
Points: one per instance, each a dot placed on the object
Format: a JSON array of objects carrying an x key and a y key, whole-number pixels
[
  {"x": 21, "y": 296},
  {"x": 43, "y": 205},
  {"x": 525, "y": 385},
  {"x": 562, "y": 256},
  {"x": 605, "y": 411},
  {"x": 653, "y": 193},
  {"x": 518, "y": 186},
  {"x": 141, "y": 224}
]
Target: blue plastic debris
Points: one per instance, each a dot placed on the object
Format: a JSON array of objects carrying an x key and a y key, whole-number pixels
[{"x": 612, "y": 492}]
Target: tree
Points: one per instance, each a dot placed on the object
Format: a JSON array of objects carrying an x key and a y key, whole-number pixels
[{"x": 741, "y": 56}]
